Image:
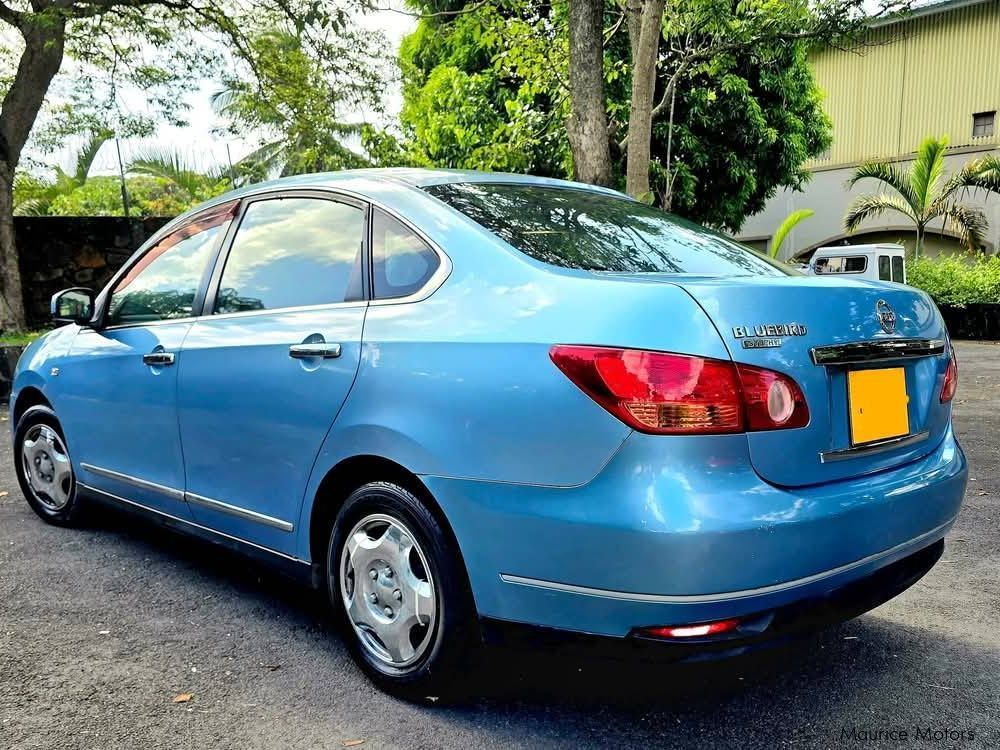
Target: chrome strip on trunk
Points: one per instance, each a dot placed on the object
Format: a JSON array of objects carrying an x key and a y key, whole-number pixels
[
  {"x": 870, "y": 449},
  {"x": 879, "y": 350}
]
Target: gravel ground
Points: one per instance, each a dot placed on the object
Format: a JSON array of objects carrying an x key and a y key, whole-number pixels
[{"x": 101, "y": 628}]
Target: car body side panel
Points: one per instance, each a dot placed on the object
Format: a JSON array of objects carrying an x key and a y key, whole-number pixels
[
  {"x": 252, "y": 418},
  {"x": 120, "y": 415},
  {"x": 461, "y": 384},
  {"x": 35, "y": 366}
]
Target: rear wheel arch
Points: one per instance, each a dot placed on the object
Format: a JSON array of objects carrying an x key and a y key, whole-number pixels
[{"x": 349, "y": 475}]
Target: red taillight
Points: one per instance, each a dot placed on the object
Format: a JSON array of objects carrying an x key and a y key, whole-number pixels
[
  {"x": 691, "y": 631},
  {"x": 950, "y": 384},
  {"x": 773, "y": 401},
  {"x": 675, "y": 394}
]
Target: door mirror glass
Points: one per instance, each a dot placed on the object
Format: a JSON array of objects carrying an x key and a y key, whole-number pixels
[{"x": 73, "y": 306}]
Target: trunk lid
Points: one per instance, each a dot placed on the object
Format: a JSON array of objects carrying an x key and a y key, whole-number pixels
[{"x": 775, "y": 322}]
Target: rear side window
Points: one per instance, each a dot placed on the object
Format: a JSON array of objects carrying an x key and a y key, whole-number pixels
[
  {"x": 884, "y": 268},
  {"x": 842, "y": 264},
  {"x": 402, "y": 263},
  {"x": 600, "y": 232},
  {"x": 162, "y": 285},
  {"x": 897, "y": 269},
  {"x": 290, "y": 252}
]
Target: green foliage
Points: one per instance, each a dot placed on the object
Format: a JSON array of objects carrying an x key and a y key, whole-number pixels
[
  {"x": 957, "y": 280},
  {"x": 20, "y": 339},
  {"x": 787, "y": 226},
  {"x": 486, "y": 89},
  {"x": 482, "y": 89},
  {"x": 921, "y": 194},
  {"x": 171, "y": 169},
  {"x": 33, "y": 195},
  {"x": 296, "y": 101},
  {"x": 148, "y": 196}
]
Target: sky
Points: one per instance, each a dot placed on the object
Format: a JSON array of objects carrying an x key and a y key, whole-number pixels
[{"x": 197, "y": 143}]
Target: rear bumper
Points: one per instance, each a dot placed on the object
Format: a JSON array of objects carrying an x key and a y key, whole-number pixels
[
  {"x": 762, "y": 630},
  {"x": 681, "y": 530}
]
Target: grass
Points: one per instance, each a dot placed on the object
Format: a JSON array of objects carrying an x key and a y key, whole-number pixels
[{"x": 19, "y": 339}]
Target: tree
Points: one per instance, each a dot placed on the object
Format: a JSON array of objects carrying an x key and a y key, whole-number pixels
[
  {"x": 923, "y": 195},
  {"x": 190, "y": 184},
  {"x": 790, "y": 222},
  {"x": 587, "y": 125},
  {"x": 34, "y": 197},
  {"x": 669, "y": 41},
  {"x": 483, "y": 88},
  {"x": 115, "y": 37},
  {"x": 148, "y": 196},
  {"x": 489, "y": 88},
  {"x": 297, "y": 104}
]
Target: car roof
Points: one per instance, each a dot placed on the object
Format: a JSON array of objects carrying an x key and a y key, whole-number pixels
[{"x": 414, "y": 177}]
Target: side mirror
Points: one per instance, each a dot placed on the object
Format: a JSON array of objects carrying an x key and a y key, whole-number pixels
[{"x": 73, "y": 306}]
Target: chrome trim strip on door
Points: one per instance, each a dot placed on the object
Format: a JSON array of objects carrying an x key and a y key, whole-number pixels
[
  {"x": 190, "y": 497},
  {"x": 144, "y": 484},
  {"x": 871, "y": 449},
  {"x": 233, "y": 510},
  {"x": 570, "y": 588},
  {"x": 879, "y": 350},
  {"x": 198, "y": 526}
]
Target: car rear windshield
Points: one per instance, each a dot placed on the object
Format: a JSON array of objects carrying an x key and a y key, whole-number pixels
[{"x": 595, "y": 231}]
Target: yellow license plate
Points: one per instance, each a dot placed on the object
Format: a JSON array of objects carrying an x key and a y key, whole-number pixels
[{"x": 877, "y": 400}]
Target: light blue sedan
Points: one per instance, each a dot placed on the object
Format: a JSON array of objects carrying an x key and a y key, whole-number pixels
[{"x": 469, "y": 404}]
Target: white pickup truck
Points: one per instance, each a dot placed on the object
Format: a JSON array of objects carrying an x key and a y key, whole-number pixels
[{"x": 880, "y": 262}]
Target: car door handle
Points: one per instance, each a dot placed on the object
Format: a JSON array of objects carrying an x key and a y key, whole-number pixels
[
  {"x": 158, "y": 359},
  {"x": 318, "y": 349}
]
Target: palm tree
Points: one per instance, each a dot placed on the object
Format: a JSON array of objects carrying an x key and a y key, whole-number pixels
[
  {"x": 294, "y": 113},
  {"x": 41, "y": 198},
  {"x": 787, "y": 226},
  {"x": 922, "y": 194},
  {"x": 172, "y": 167}
]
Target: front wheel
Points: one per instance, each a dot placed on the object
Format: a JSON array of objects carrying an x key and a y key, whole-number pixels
[
  {"x": 398, "y": 585},
  {"x": 44, "y": 469}
]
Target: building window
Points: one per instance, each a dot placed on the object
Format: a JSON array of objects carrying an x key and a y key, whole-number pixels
[{"x": 982, "y": 124}]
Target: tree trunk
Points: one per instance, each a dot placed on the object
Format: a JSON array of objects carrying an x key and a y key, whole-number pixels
[
  {"x": 43, "y": 53},
  {"x": 640, "y": 121},
  {"x": 587, "y": 126}
]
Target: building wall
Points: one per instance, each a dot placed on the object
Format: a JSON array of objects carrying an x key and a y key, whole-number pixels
[
  {"x": 58, "y": 252},
  {"x": 924, "y": 76},
  {"x": 828, "y": 195}
]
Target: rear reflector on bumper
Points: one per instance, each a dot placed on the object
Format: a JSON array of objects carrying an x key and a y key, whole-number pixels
[{"x": 701, "y": 630}]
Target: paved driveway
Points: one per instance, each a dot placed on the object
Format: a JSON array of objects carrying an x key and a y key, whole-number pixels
[{"x": 100, "y": 629}]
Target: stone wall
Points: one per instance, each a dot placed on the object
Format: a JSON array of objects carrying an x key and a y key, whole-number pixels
[{"x": 57, "y": 252}]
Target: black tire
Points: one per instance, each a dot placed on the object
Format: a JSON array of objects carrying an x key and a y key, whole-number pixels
[
  {"x": 70, "y": 514},
  {"x": 445, "y": 668}
]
